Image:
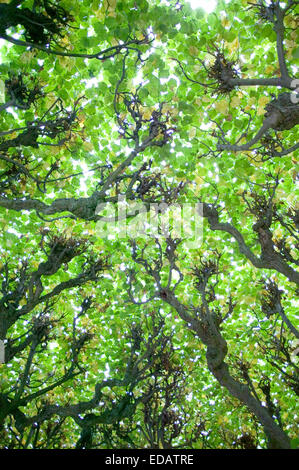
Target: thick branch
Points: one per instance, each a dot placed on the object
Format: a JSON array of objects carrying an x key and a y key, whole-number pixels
[
  {"x": 268, "y": 261},
  {"x": 216, "y": 352},
  {"x": 279, "y": 30},
  {"x": 281, "y": 114},
  {"x": 278, "y": 82},
  {"x": 277, "y": 438},
  {"x": 105, "y": 54}
]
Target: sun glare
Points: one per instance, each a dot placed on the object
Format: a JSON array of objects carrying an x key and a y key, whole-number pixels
[{"x": 208, "y": 6}]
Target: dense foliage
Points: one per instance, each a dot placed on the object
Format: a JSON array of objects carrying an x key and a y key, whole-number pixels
[{"x": 127, "y": 339}]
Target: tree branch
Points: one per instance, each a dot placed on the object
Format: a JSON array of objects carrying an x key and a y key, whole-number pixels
[{"x": 269, "y": 260}]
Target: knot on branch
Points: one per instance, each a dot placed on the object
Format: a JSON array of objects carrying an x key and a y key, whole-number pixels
[
  {"x": 159, "y": 132},
  {"x": 282, "y": 112},
  {"x": 62, "y": 250},
  {"x": 210, "y": 212},
  {"x": 222, "y": 71},
  {"x": 41, "y": 327},
  {"x": 271, "y": 299},
  {"x": 157, "y": 188},
  {"x": 20, "y": 92},
  {"x": 246, "y": 441},
  {"x": 66, "y": 248},
  {"x": 203, "y": 273},
  {"x": 147, "y": 183}
]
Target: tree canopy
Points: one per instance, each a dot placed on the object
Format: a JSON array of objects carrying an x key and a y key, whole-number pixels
[{"x": 115, "y": 333}]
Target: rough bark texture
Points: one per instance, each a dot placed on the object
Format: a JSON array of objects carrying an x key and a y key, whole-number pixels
[
  {"x": 282, "y": 112},
  {"x": 216, "y": 345}
]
